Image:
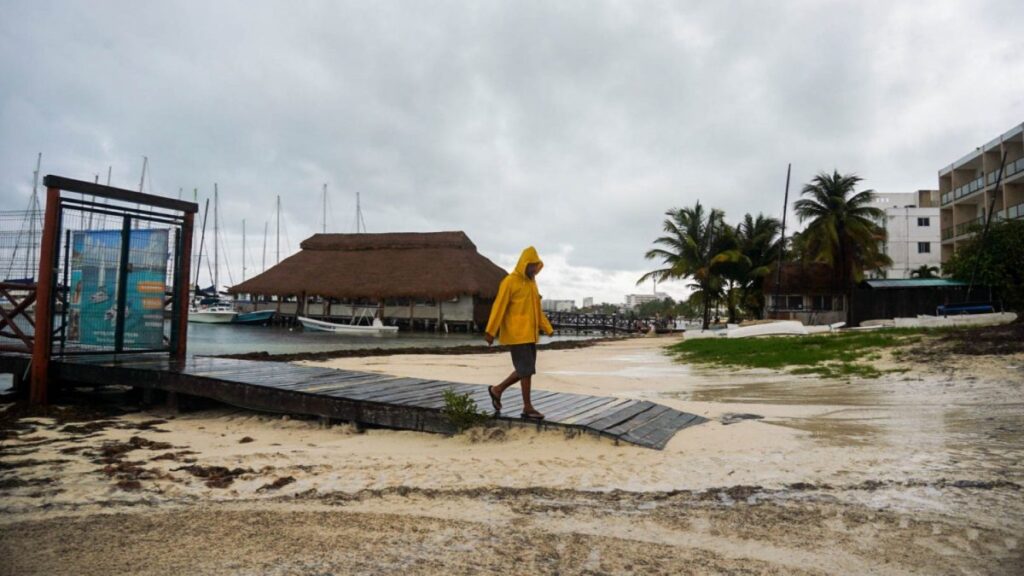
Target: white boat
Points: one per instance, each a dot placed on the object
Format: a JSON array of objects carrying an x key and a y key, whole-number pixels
[
  {"x": 926, "y": 321},
  {"x": 780, "y": 328},
  {"x": 215, "y": 314},
  {"x": 376, "y": 328}
]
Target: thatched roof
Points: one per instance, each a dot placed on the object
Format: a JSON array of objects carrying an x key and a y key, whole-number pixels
[
  {"x": 435, "y": 265},
  {"x": 802, "y": 278}
]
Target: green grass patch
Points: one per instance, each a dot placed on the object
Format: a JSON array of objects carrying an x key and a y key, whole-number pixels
[{"x": 841, "y": 355}]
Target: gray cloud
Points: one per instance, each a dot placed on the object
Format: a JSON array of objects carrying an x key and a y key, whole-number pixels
[{"x": 571, "y": 125}]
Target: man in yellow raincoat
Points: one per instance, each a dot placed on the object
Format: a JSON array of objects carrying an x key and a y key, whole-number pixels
[{"x": 517, "y": 320}]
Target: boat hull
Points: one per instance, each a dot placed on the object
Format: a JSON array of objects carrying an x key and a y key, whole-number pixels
[
  {"x": 347, "y": 329},
  {"x": 254, "y": 318},
  {"x": 211, "y": 317}
]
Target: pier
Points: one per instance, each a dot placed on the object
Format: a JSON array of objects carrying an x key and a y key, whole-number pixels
[{"x": 364, "y": 398}]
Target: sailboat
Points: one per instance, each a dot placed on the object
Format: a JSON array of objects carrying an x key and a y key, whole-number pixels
[{"x": 219, "y": 312}]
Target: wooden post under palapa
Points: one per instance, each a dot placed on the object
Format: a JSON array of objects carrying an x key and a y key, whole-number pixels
[{"x": 41, "y": 345}]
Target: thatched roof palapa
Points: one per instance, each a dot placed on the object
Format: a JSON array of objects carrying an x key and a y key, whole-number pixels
[
  {"x": 432, "y": 265},
  {"x": 802, "y": 278}
]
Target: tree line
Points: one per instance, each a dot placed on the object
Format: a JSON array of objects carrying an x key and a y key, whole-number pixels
[{"x": 727, "y": 264}]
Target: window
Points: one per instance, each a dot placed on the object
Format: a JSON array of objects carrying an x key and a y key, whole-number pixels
[
  {"x": 822, "y": 302},
  {"x": 794, "y": 302},
  {"x": 922, "y": 222},
  {"x": 924, "y": 248}
]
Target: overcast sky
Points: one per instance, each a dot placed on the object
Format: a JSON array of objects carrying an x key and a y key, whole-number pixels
[{"x": 571, "y": 126}]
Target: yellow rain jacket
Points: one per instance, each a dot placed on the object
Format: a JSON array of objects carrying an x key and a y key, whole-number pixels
[{"x": 516, "y": 317}]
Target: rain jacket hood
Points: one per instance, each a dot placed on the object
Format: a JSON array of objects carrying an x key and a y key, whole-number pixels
[
  {"x": 516, "y": 315},
  {"x": 529, "y": 256}
]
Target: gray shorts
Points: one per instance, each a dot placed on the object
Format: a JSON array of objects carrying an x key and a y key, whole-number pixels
[{"x": 524, "y": 359}]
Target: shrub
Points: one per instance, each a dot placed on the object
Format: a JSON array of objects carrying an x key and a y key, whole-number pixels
[{"x": 462, "y": 411}]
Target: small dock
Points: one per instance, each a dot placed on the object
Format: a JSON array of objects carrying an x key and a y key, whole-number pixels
[{"x": 364, "y": 397}]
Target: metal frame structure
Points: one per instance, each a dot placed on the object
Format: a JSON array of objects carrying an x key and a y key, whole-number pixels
[{"x": 176, "y": 214}]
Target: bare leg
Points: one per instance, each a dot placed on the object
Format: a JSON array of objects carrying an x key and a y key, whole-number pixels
[
  {"x": 527, "y": 404},
  {"x": 500, "y": 388}
]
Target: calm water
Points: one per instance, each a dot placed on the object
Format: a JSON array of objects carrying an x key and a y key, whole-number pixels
[{"x": 209, "y": 339}]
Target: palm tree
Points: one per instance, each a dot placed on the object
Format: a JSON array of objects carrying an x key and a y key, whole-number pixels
[
  {"x": 925, "y": 271},
  {"x": 759, "y": 241},
  {"x": 697, "y": 245},
  {"x": 844, "y": 230}
]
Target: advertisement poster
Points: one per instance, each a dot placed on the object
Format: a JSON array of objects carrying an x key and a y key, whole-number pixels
[{"x": 95, "y": 258}]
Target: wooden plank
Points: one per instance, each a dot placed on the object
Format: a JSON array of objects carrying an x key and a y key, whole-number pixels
[
  {"x": 603, "y": 408},
  {"x": 578, "y": 408},
  {"x": 658, "y": 436},
  {"x": 428, "y": 389},
  {"x": 375, "y": 388},
  {"x": 558, "y": 402},
  {"x": 637, "y": 420},
  {"x": 399, "y": 388},
  {"x": 323, "y": 384},
  {"x": 616, "y": 417},
  {"x": 515, "y": 406}
]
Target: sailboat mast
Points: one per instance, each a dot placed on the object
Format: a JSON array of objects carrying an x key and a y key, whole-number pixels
[
  {"x": 324, "y": 229},
  {"x": 216, "y": 246},
  {"x": 278, "y": 229},
  {"x": 263, "y": 262},
  {"x": 782, "y": 240},
  {"x": 243, "y": 249},
  {"x": 142, "y": 180},
  {"x": 33, "y": 207}
]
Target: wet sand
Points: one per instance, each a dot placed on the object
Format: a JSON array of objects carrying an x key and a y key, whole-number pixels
[{"x": 918, "y": 472}]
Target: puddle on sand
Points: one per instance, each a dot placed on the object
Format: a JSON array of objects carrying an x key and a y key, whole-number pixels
[
  {"x": 835, "y": 431},
  {"x": 789, "y": 390}
]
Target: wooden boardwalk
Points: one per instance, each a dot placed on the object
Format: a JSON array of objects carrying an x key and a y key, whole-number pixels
[{"x": 369, "y": 398}]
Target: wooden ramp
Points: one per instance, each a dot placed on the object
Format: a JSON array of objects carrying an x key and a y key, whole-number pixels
[{"x": 369, "y": 398}]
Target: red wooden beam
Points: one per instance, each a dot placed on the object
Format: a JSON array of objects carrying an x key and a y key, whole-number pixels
[
  {"x": 183, "y": 284},
  {"x": 41, "y": 345}
]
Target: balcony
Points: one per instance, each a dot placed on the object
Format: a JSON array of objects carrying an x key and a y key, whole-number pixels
[
  {"x": 982, "y": 182},
  {"x": 965, "y": 227},
  {"x": 947, "y": 233},
  {"x": 1012, "y": 213}
]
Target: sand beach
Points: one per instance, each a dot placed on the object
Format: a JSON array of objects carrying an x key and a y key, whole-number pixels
[{"x": 916, "y": 472}]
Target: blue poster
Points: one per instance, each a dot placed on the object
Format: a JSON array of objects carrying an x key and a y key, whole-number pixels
[{"x": 95, "y": 259}]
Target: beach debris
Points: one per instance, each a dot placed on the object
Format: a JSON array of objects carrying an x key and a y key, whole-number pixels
[
  {"x": 245, "y": 440},
  {"x": 216, "y": 476},
  {"x": 276, "y": 484},
  {"x": 733, "y": 418}
]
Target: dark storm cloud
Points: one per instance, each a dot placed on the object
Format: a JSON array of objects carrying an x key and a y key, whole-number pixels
[{"x": 569, "y": 125}]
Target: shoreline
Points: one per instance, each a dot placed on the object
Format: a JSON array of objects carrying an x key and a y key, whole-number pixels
[
  {"x": 917, "y": 472},
  {"x": 412, "y": 350}
]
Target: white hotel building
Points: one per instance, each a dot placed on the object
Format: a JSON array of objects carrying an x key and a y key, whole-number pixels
[{"x": 912, "y": 230}]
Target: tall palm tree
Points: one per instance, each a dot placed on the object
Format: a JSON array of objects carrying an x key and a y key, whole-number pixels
[
  {"x": 843, "y": 230},
  {"x": 760, "y": 241},
  {"x": 697, "y": 245}
]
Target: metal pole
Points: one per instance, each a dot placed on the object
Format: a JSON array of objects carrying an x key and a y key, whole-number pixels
[
  {"x": 121, "y": 297},
  {"x": 216, "y": 246},
  {"x": 988, "y": 220},
  {"x": 782, "y": 241},
  {"x": 33, "y": 209},
  {"x": 278, "y": 229}
]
